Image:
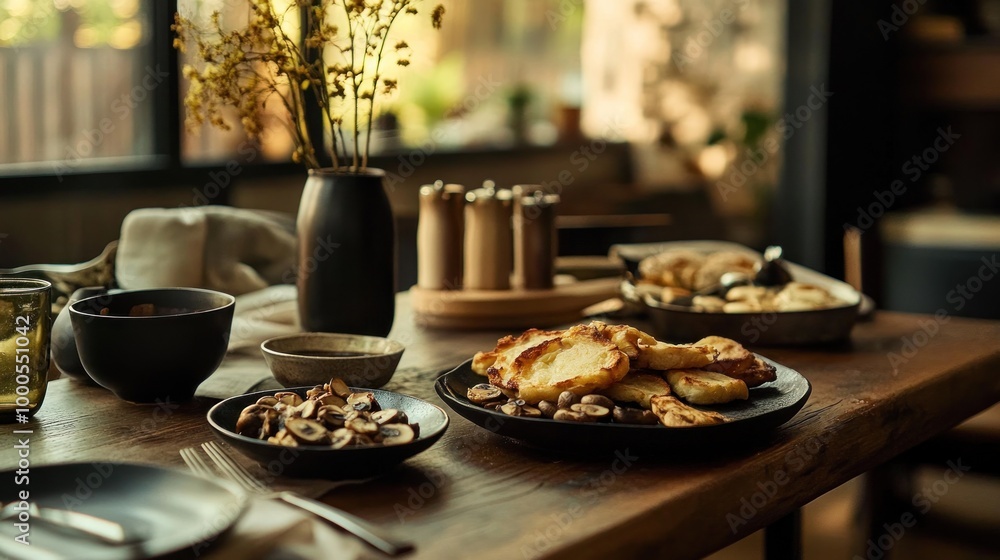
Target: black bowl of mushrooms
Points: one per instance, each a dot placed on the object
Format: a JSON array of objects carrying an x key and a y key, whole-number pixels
[{"x": 328, "y": 431}]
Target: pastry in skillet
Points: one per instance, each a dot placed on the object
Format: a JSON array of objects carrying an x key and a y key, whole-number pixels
[
  {"x": 581, "y": 360},
  {"x": 698, "y": 386},
  {"x": 675, "y": 414},
  {"x": 510, "y": 347},
  {"x": 638, "y": 387}
]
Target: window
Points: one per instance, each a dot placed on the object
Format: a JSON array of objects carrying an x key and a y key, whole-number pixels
[{"x": 76, "y": 78}]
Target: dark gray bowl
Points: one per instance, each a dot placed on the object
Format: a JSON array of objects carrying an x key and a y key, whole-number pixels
[
  {"x": 325, "y": 462},
  {"x": 146, "y": 359}
]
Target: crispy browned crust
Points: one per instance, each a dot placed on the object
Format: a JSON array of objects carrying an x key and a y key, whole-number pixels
[
  {"x": 757, "y": 374},
  {"x": 482, "y": 361},
  {"x": 675, "y": 414},
  {"x": 626, "y": 338},
  {"x": 662, "y": 356},
  {"x": 555, "y": 365},
  {"x": 639, "y": 386},
  {"x": 733, "y": 358}
]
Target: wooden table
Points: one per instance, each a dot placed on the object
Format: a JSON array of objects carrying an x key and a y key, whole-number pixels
[{"x": 475, "y": 493}]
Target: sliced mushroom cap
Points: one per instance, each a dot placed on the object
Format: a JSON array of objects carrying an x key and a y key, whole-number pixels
[
  {"x": 484, "y": 393},
  {"x": 397, "y": 434},
  {"x": 363, "y": 402},
  {"x": 315, "y": 392},
  {"x": 341, "y": 438},
  {"x": 548, "y": 408},
  {"x": 308, "y": 409},
  {"x": 567, "y": 415},
  {"x": 272, "y": 423},
  {"x": 307, "y": 431},
  {"x": 289, "y": 398},
  {"x": 529, "y": 411},
  {"x": 599, "y": 400},
  {"x": 495, "y": 405},
  {"x": 389, "y": 416},
  {"x": 267, "y": 401},
  {"x": 634, "y": 416},
  {"x": 568, "y": 399},
  {"x": 595, "y": 411},
  {"x": 283, "y": 438},
  {"x": 251, "y": 420},
  {"x": 511, "y": 409},
  {"x": 332, "y": 416},
  {"x": 338, "y": 387},
  {"x": 363, "y": 426},
  {"x": 327, "y": 399}
]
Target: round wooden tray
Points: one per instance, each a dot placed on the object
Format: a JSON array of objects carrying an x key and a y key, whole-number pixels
[{"x": 509, "y": 309}]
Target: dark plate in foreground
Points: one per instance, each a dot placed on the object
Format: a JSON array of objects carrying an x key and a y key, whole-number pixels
[
  {"x": 768, "y": 407},
  {"x": 325, "y": 462},
  {"x": 168, "y": 511}
]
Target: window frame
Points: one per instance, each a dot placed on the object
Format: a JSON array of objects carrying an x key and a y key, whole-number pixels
[{"x": 161, "y": 169}]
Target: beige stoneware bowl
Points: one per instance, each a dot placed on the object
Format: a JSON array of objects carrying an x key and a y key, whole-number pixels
[{"x": 301, "y": 359}]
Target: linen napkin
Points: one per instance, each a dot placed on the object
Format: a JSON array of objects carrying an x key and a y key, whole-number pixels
[
  {"x": 231, "y": 250},
  {"x": 258, "y": 316},
  {"x": 272, "y": 530}
]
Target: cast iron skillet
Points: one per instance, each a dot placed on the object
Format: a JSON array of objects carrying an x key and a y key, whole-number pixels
[
  {"x": 325, "y": 462},
  {"x": 769, "y": 406}
]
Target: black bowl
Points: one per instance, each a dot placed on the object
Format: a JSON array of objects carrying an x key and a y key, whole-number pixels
[
  {"x": 326, "y": 462},
  {"x": 149, "y": 359}
]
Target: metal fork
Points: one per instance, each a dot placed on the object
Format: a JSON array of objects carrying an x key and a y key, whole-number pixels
[{"x": 234, "y": 471}]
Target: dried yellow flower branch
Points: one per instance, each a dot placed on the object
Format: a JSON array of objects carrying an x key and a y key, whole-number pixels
[{"x": 244, "y": 68}]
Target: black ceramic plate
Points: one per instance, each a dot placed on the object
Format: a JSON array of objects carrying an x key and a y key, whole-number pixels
[
  {"x": 325, "y": 462},
  {"x": 172, "y": 511},
  {"x": 769, "y": 406}
]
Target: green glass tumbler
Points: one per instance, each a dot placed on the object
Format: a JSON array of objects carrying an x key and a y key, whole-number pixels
[{"x": 25, "y": 324}]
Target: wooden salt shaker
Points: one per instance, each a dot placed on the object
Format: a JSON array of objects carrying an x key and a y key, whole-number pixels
[
  {"x": 535, "y": 238},
  {"x": 440, "y": 231},
  {"x": 488, "y": 240}
]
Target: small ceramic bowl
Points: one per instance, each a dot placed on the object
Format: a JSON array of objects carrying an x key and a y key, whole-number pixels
[
  {"x": 152, "y": 345},
  {"x": 311, "y": 359}
]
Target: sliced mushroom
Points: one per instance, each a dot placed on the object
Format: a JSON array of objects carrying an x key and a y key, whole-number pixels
[
  {"x": 389, "y": 416},
  {"x": 625, "y": 415},
  {"x": 307, "y": 431},
  {"x": 362, "y": 439},
  {"x": 308, "y": 409},
  {"x": 397, "y": 434},
  {"x": 567, "y": 415},
  {"x": 267, "y": 401},
  {"x": 511, "y": 409},
  {"x": 363, "y": 427},
  {"x": 315, "y": 392},
  {"x": 289, "y": 398},
  {"x": 529, "y": 411},
  {"x": 548, "y": 408},
  {"x": 339, "y": 388},
  {"x": 341, "y": 438},
  {"x": 272, "y": 423},
  {"x": 568, "y": 399},
  {"x": 495, "y": 405},
  {"x": 595, "y": 411},
  {"x": 251, "y": 420},
  {"x": 331, "y": 416},
  {"x": 599, "y": 400},
  {"x": 284, "y": 438},
  {"x": 363, "y": 402},
  {"x": 483, "y": 393},
  {"x": 327, "y": 399}
]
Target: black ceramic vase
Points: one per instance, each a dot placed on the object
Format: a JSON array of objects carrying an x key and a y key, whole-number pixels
[{"x": 346, "y": 253}]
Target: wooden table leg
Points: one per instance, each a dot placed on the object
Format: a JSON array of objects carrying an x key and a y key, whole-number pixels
[{"x": 783, "y": 538}]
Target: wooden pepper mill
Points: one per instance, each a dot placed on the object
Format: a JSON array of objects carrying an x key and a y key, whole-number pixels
[
  {"x": 488, "y": 239},
  {"x": 440, "y": 233}
]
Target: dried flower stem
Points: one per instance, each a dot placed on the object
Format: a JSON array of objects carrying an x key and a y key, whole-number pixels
[{"x": 244, "y": 68}]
